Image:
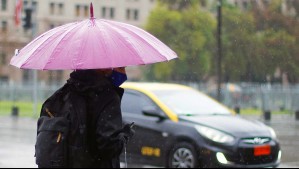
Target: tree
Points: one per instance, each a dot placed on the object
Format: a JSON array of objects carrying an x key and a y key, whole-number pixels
[
  {"x": 238, "y": 44},
  {"x": 278, "y": 36},
  {"x": 189, "y": 31},
  {"x": 258, "y": 42}
]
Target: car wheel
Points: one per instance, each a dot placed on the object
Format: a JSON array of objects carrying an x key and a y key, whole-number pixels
[{"x": 183, "y": 155}]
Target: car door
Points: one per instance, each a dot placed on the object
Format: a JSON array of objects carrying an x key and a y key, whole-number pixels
[{"x": 148, "y": 144}]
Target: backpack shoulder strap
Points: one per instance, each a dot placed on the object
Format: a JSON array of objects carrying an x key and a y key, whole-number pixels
[
  {"x": 78, "y": 108},
  {"x": 52, "y": 106}
]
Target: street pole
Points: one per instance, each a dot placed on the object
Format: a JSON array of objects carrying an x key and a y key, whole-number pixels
[
  {"x": 219, "y": 51},
  {"x": 34, "y": 74},
  {"x": 35, "y": 93}
]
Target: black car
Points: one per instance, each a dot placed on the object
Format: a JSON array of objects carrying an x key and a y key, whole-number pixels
[{"x": 179, "y": 127}]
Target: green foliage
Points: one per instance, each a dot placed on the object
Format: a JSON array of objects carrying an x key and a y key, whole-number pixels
[
  {"x": 238, "y": 43},
  {"x": 278, "y": 37},
  {"x": 190, "y": 34}
]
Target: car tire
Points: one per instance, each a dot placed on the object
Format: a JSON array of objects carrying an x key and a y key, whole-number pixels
[{"x": 183, "y": 155}]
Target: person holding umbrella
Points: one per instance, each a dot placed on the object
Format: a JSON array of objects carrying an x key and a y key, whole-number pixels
[
  {"x": 96, "y": 136},
  {"x": 81, "y": 124}
]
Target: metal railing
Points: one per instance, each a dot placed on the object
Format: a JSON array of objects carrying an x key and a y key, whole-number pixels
[{"x": 263, "y": 97}]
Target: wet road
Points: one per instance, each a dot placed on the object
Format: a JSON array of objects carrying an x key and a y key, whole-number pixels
[{"x": 17, "y": 138}]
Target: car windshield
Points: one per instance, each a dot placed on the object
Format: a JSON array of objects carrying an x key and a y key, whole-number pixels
[{"x": 190, "y": 103}]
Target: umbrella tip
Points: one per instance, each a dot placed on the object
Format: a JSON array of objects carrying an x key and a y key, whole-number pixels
[{"x": 91, "y": 11}]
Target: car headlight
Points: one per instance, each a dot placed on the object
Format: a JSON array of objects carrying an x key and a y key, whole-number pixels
[
  {"x": 215, "y": 135},
  {"x": 272, "y": 132}
]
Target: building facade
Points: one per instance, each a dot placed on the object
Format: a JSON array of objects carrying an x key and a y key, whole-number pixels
[{"x": 48, "y": 14}]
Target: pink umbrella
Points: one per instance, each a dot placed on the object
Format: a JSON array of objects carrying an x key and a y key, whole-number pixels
[{"x": 92, "y": 44}]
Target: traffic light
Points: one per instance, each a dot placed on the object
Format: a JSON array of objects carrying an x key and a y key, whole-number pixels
[{"x": 27, "y": 19}]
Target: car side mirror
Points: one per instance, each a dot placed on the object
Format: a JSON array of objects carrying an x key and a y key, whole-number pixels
[{"x": 153, "y": 112}]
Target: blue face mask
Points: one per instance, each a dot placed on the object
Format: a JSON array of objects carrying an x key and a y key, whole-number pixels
[{"x": 118, "y": 78}]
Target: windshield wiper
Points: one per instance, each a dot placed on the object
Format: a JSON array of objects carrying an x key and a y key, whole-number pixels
[
  {"x": 218, "y": 114},
  {"x": 202, "y": 114},
  {"x": 189, "y": 115}
]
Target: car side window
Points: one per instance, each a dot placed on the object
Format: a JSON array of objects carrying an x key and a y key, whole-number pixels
[{"x": 134, "y": 102}]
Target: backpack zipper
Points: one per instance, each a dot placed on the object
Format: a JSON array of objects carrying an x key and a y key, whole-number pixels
[
  {"x": 49, "y": 113},
  {"x": 59, "y": 137},
  {"x": 59, "y": 134}
]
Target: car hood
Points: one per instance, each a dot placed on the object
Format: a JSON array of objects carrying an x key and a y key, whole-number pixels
[{"x": 233, "y": 125}]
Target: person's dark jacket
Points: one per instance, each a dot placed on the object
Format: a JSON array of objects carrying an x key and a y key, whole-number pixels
[{"x": 104, "y": 135}]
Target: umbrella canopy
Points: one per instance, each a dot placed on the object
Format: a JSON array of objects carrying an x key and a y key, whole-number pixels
[{"x": 92, "y": 44}]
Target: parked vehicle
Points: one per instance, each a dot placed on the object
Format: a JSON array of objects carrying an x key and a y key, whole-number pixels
[{"x": 180, "y": 127}]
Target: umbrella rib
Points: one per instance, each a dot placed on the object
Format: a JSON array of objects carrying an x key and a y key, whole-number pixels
[
  {"x": 31, "y": 43},
  {"x": 104, "y": 49},
  {"x": 128, "y": 46},
  {"x": 52, "y": 54},
  {"x": 81, "y": 51},
  {"x": 45, "y": 41},
  {"x": 133, "y": 33},
  {"x": 42, "y": 35}
]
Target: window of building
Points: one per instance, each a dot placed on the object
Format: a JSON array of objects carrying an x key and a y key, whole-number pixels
[
  {"x": 132, "y": 14},
  {"x": 112, "y": 13},
  {"x": 61, "y": 8},
  {"x": 3, "y": 5},
  {"x": 245, "y": 4},
  {"x": 4, "y": 26},
  {"x": 3, "y": 58},
  {"x": 34, "y": 6},
  {"x": 203, "y": 3},
  {"x": 77, "y": 10},
  {"x": 136, "y": 14},
  {"x": 86, "y": 11},
  {"x": 104, "y": 12},
  {"x": 52, "y": 8},
  {"x": 25, "y": 4},
  {"x": 128, "y": 14},
  {"x": 236, "y": 3}
]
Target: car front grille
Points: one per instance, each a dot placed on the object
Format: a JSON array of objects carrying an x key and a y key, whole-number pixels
[{"x": 245, "y": 156}]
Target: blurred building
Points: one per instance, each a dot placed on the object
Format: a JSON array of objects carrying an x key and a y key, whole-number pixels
[{"x": 48, "y": 14}]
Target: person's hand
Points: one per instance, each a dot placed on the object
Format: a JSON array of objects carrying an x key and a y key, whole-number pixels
[{"x": 128, "y": 131}]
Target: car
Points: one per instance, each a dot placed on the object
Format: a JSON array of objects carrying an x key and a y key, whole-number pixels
[{"x": 179, "y": 127}]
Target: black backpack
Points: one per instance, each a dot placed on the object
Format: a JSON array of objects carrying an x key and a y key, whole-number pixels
[{"x": 61, "y": 132}]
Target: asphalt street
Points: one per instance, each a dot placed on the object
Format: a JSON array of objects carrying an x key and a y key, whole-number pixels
[{"x": 17, "y": 138}]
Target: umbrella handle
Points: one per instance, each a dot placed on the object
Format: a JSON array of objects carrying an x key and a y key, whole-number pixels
[{"x": 91, "y": 11}]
